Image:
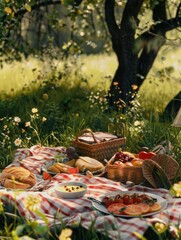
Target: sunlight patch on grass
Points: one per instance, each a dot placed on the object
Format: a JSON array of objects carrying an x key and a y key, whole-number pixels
[
  {"x": 99, "y": 69},
  {"x": 18, "y": 74},
  {"x": 161, "y": 85}
]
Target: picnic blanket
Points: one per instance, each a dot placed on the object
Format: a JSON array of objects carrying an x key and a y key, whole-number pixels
[{"x": 32, "y": 204}]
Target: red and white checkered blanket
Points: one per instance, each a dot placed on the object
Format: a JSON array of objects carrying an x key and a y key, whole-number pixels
[{"x": 33, "y": 204}]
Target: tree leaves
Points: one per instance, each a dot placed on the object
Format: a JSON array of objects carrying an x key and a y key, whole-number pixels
[
  {"x": 28, "y": 7},
  {"x": 67, "y": 2}
]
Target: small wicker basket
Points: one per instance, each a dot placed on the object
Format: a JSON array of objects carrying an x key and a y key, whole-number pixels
[
  {"x": 124, "y": 173},
  {"x": 99, "y": 150}
]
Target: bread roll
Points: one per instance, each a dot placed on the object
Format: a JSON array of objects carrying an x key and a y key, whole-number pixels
[
  {"x": 88, "y": 163},
  {"x": 17, "y": 178},
  {"x": 58, "y": 168},
  {"x": 53, "y": 169}
]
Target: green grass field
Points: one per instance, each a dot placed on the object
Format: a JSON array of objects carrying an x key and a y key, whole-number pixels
[{"x": 161, "y": 85}]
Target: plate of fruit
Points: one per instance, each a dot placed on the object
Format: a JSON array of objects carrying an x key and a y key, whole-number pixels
[{"x": 130, "y": 204}]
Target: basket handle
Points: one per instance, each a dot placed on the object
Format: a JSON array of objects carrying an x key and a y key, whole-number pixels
[{"x": 87, "y": 130}]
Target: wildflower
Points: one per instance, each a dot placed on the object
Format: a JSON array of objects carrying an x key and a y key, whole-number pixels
[
  {"x": 32, "y": 203},
  {"x": 174, "y": 232},
  {"x": 44, "y": 119},
  {"x": 115, "y": 83},
  {"x": 35, "y": 116},
  {"x": 5, "y": 126},
  {"x": 177, "y": 189},
  {"x": 65, "y": 234},
  {"x": 17, "y": 119},
  {"x": 18, "y": 142},
  {"x": 22, "y": 130},
  {"x": 34, "y": 110},
  {"x": 27, "y": 124},
  {"x": 134, "y": 86},
  {"x": 160, "y": 227},
  {"x": 137, "y": 123}
]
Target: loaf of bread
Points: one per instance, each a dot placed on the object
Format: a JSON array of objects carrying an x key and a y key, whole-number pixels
[
  {"x": 88, "y": 163},
  {"x": 17, "y": 178}
]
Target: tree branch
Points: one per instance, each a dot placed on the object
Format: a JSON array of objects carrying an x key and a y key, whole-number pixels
[
  {"x": 131, "y": 10},
  {"x": 156, "y": 37},
  {"x": 178, "y": 10},
  {"x": 110, "y": 17},
  {"x": 159, "y": 28}
]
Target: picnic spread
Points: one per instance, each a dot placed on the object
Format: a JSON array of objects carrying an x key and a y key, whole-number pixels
[{"x": 35, "y": 193}]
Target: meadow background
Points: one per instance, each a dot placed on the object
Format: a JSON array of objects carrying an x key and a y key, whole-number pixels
[
  {"x": 70, "y": 95},
  {"x": 161, "y": 85}
]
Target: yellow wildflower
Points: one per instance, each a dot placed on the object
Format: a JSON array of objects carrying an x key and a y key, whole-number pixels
[
  {"x": 32, "y": 202},
  {"x": 177, "y": 189},
  {"x": 65, "y": 234}
]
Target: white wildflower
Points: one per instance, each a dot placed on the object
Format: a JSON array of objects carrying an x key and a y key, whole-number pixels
[
  {"x": 44, "y": 119},
  {"x": 34, "y": 110},
  {"x": 5, "y": 126},
  {"x": 18, "y": 142},
  {"x": 137, "y": 123},
  {"x": 27, "y": 124},
  {"x": 17, "y": 119}
]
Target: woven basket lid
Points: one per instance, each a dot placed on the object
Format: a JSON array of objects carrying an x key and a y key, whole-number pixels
[
  {"x": 168, "y": 164},
  {"x": 155, "y": 175}
]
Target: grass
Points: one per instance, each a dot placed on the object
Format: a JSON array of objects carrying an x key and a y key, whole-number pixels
[
  {"x": 98, "y": 70},
  {"x": 65, "y": 92}
]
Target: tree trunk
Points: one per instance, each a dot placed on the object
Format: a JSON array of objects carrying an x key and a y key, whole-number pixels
[
  {"x": 172, "y": 108},
  {"x": 135, "y": 56},
  {"x": 123, "y": 37}
]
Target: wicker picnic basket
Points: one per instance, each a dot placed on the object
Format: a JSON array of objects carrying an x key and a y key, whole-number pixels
[
  {"x": 99, "y": 149},
  {"x": 124, "y": 173}
]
